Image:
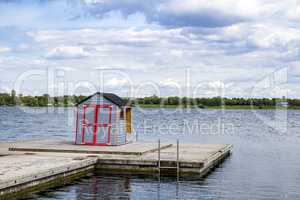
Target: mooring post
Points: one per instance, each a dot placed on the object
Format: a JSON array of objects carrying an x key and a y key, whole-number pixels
[
  {"x": 178, "y": 169},
  {"x": 159, "y": 156}
]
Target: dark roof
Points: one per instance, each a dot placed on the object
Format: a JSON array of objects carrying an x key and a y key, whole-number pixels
[{"x": 109, "y": 96}]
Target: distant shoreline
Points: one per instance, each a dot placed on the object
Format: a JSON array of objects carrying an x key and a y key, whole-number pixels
[
  {"x": 226, "y": 107},
  {"x": 236, "y": 107},
  {"x": 154, "y": 101}
]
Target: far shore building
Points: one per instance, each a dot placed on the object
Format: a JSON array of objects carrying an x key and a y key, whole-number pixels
[{"x": 282, "y": 102}]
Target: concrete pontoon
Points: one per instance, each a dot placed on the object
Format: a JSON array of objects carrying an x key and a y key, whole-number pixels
[{"x": 31, "y": 165}]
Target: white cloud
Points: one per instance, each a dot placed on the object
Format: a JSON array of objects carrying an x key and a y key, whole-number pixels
[
  {"x": 294, "y": 13},
  {"x": 4, "y": 49},
  {"x": 67, "y": 52},
  {"x": 270, "y": 36},
  {"x": 232, "y": 41},
  {"x": 116, "y": 82},
  {"x": 216, "y": 84},
  {"x": 237, "y": 53},
  {"x": 169, "y": 82}
]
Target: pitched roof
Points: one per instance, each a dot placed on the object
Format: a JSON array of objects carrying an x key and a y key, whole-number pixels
[{"x": 109, "y": 96}]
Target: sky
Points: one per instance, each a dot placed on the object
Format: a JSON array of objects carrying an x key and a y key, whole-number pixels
[{"x": 198, "y": 48}]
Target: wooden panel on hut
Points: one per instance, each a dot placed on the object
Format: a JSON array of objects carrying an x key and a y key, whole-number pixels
[{"x": 128, "y": 120}]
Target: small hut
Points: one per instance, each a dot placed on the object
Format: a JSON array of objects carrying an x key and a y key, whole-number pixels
[{"x": 103, "y": 119}]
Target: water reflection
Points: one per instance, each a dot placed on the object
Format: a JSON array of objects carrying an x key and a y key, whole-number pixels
[{"x": 102, "y": 188}]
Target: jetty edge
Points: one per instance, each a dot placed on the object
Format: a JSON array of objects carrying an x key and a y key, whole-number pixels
[{"x": 35, "y": 165}]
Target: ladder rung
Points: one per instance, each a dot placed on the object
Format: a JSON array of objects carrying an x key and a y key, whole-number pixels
[
  {"x": 168, "y": 167},
  {"x": 177, "y": 168}
]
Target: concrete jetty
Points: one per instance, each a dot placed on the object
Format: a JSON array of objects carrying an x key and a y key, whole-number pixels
[{"x": 27, "y": 166}]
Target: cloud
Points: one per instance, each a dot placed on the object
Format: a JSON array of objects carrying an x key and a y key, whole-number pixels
[
  {"x": 169, "y": 82},
  {"x": 223, "y": 53},
  {"x": 201, "y": 13},
  {"x": 198, "y": 13},
  {"x": 116, "y": 82},
  {"x": 4, "y": 49},
  {"x": 218, "y": 40},
  {"x": 67, "y": 52},
  {"x": 170, "y": 13},
  {"x": 176, "y": 13}
]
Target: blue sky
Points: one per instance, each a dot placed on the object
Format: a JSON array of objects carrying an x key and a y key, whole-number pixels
[{"x": 233, "y": 48}]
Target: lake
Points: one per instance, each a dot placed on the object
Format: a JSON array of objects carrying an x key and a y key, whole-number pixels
[{"x": 264, "y": 164}]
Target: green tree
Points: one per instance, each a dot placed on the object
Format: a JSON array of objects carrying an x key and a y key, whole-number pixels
[
  {"x": 13, "y": 98},
  {"x": 55, "y": 101},
  {"x": 66, "y": 100}
]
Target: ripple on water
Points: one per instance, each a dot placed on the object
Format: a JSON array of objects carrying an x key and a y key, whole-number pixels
[{"x": 264, "y": 164}]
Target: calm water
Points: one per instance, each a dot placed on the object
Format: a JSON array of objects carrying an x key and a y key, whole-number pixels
[{"x": 264, "y": 164}]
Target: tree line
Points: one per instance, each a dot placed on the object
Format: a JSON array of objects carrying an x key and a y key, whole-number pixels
[
  {"x": 216, "y": 101},
  {"x": 11, "y": 99}
]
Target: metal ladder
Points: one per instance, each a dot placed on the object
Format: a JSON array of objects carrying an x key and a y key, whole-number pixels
[{"x": 169, "y": 167}]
